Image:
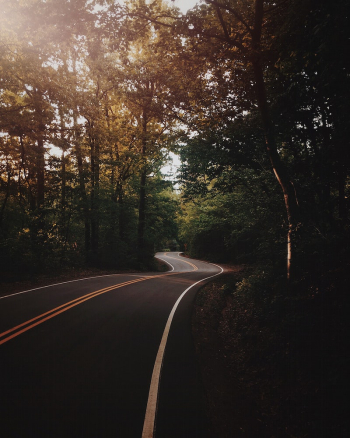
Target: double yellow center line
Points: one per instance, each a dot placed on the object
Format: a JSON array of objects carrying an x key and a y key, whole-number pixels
[
  {"x": 27, "y": 325},
  {"x": 195, "y": 268}
]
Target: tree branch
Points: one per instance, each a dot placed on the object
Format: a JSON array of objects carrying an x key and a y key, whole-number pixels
[{"x": 232, "y": 11}]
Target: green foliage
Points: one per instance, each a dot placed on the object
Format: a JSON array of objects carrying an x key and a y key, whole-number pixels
[
  {"x": 83, "y": 105},
  {"x": 306, "y": 84},
  {"x": 242, "y": 225},
  {"x": 113, "y": 88},
  {"x": 162, "y": 208}
]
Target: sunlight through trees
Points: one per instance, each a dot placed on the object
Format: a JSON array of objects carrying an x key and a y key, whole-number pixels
[{"x": 95, "y": 95}]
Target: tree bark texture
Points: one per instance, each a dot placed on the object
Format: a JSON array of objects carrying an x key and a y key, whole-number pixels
[
  {"x": 142, "y": 199},
  {"x": 95, "y": 184},
  {"x": 280, "y": 171},
  {"x": 87, "y": 231},
  {"x": 40, "y": 196}
]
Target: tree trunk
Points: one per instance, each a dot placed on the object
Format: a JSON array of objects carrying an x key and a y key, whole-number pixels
[
  {"x": 142, "y": 199},
  {"x": 142, "y": 213},
  {"x": 87, "y": 231},
  {"x": 84, "y": 197},
  {"x": 40, "y": 196},
  {"x": 64, "y": 222},
  {"x": 63, "y": 168},
  {"x": 7, "y": 195},
  {"x": 119, "y": 198},
  {"x": 95, "y": 182},
  {"x": 279, "y": 169},
  {"x": 290, "y": 199},
  {"x": 63, "y": 182}
]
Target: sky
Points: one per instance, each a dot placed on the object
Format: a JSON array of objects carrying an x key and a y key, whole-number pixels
[{"x": 184, "y": 5}]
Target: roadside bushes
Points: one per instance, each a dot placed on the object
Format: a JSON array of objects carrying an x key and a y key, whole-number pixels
[{"x": 286, "y": 354}]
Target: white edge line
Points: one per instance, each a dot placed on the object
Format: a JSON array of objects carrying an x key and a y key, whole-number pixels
[
  {"x": 172, "y": 267},
  {"x": 79, "y": 279},
  {"x": 151, "y": 409},
  {"x": 64, "y": 282}
]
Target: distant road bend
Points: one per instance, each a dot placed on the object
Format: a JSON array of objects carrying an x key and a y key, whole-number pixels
[{"x": 108, "y": 356}]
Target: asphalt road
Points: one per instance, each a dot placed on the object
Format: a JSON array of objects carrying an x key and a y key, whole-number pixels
[{"x": 109, "y": 356}]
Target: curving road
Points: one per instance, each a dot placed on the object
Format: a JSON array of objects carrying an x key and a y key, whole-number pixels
[{"x": 108, "y": 356}]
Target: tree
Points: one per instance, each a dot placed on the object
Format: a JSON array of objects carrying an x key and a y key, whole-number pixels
[
  {"x": 245, "y": 38},
  {"x": 78, "y": 80}
]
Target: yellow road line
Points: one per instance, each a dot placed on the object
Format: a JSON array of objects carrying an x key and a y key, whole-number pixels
[
  {"x": 54, "y": 312},
  {"x": 195, "y": 268}
]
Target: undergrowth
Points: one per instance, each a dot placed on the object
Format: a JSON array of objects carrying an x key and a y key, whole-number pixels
[{"x": 284, "y": 350}]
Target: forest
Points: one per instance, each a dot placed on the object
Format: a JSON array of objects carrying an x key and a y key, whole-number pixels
[{"x": 251, "y": 95}]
